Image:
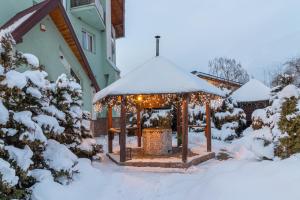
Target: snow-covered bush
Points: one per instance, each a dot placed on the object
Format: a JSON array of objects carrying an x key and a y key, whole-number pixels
[
  {"x": 277, "y": 127},
  {"x": 33, "y": 111},
  {"x": 229, "y": 118},
  {"x": 289, "y": 123},
  {"x": 66, "y": 107},
  {"x": 196, "y": 117},
  {"x": 21, "y": 97},
  {"x": 152, "y": 118}
]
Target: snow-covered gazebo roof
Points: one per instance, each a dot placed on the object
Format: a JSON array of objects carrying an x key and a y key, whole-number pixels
[
  {"x": 253, "y": 90},
  {"x": 157, "y": 76}
]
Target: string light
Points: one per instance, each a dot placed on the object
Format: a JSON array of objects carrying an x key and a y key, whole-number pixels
[{"x": 154, "y": 101}]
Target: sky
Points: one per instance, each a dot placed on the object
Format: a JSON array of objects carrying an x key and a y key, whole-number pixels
[{"x": 261, "y": 34}]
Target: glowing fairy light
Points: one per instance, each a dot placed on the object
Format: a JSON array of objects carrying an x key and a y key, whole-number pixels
[{"x": 161, "y": 100}]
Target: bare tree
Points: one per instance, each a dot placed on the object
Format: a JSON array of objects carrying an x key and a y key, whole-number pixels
[
  {"x": 228, "y": 69},
  {"x": 292, "y": 68},
  {"x": 272, "y": 75},
  {"x": 289, "y": 70}
]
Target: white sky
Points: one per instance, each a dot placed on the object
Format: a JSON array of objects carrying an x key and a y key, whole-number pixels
[{"x": 260, "y": 33}]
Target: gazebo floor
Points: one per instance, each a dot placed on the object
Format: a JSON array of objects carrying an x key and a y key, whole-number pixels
[{"x": 172, "y": 161}]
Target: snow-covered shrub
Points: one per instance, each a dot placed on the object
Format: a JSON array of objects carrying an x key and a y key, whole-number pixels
[
  {"x": 59, "y": 159},
  {"x": 196, "y": 117},
  {"x": 277, "y": 127},
  {"x": 31, "y": 114},
  {"x": 66, "y": 107},
  {"x": 289, "y": 124},
  {"x": 229, "y": 118},
  {"x": 160, "y": 118},
  {"x": 23, "y": 140},
  {"x": 260, "y": 118},
  {"x": 88, "y": 147}
]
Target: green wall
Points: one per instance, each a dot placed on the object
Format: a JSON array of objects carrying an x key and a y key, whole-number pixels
[
  {"x": 98, "y": 59},
  {"x": 47, "y": 45}
]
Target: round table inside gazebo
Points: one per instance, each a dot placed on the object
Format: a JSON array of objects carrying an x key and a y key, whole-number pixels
[{"x": 158, "y": 83}]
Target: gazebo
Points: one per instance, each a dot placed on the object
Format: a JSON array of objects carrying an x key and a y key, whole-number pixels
[
  {"x": 251, "y": 96},
  {"x": 155, "y": 84}
]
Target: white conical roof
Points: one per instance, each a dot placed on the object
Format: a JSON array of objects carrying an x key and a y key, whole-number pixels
[
  {"x": 157, "y": 76},
  {"x": 253, "y": 90}
]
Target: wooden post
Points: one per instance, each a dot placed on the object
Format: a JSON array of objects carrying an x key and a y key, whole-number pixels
[
  {"x": 139, "y": 128},
  {"x": 109, "y": 126},
  {"x": 185, "y": 127},
  {"x": 179, "y": 128},
  {"x": 208, "y": 127},
  {"x": 122, "y": 137}
]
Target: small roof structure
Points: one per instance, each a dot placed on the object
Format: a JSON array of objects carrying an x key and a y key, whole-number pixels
[
  {"x": 158, "y": 76},
  {"x": 252, "y": 91},
  {"x": 155, "y": 84}
]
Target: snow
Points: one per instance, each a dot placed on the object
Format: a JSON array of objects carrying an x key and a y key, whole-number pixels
[
  {"x": 16, "y": 24},
  {"x": 36, "y": 133},
  {"x": 58, "y": 156},
  {"x": 86, "y": 124},
  {"x": 87, "y": 144},
  {"x": 19, "y": 80},
  {"x": 32, "y": 59},
  {"x": 49, "y": 122},
  {"x": 64, "y": 82},
  {"x": 34, "y": 92},
  {"x": 37, "y": 77},
  {"x": 254, "y": 142},
  {"x": 259, "y": 114},
  {"x": 41, "y": 174},
  {"x": 7, "y": 173},
  {"x": 241, "y": 177},
  {"x": 1, "y": 69},
  {"x": 21, "y": 156},
  {"x": 15, "y": 79},
  {"x": 158, "y": 75},
  {"x": 55, "y": 112},
  {"x": 4, "y": 115},
  {"x": 253, "y": 90},
  {"x": 9, "y": 131},
  {"x": 288, "y": 92},
  {"x": 224, "y": 133}
]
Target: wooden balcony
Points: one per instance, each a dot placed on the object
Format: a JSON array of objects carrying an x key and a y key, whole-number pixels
[{"x": 89, "y": 11}]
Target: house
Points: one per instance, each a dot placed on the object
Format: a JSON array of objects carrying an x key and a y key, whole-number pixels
[
  {"x": 76, "y": 37},
  {"x": 251, "y": 96},
  {"x": 217, "y": 81}
]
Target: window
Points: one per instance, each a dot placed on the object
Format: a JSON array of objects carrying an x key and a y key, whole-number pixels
[{"x": 88, "y": 41}]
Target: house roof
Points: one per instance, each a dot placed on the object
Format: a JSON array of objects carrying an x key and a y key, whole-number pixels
[
  {"x": 25, "y": 20},
  {"x": 212, "y": 77},
  {"x": 253, "y": 90},
  {"x": 157, "y": 76},
  {"x": 118, "y": 17}
]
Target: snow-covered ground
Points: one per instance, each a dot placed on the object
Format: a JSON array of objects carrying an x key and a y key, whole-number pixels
[{"x": 241, "y": 177}]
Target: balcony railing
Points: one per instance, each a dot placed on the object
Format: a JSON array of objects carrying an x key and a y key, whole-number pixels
[
  {"x": 79, "y": 3},
  {"x": 90, "y": 12}
]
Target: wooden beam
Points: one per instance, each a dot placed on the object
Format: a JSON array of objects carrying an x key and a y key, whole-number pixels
[
  {"x": 208, "y": 127},
  {"x": 109, "y": 126},
  {"x": 185, "y": 103},
  {"x": 139, "y": 128},
  {"x": 179, "y": 129},
  {"x": 122, "y": 136}
]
